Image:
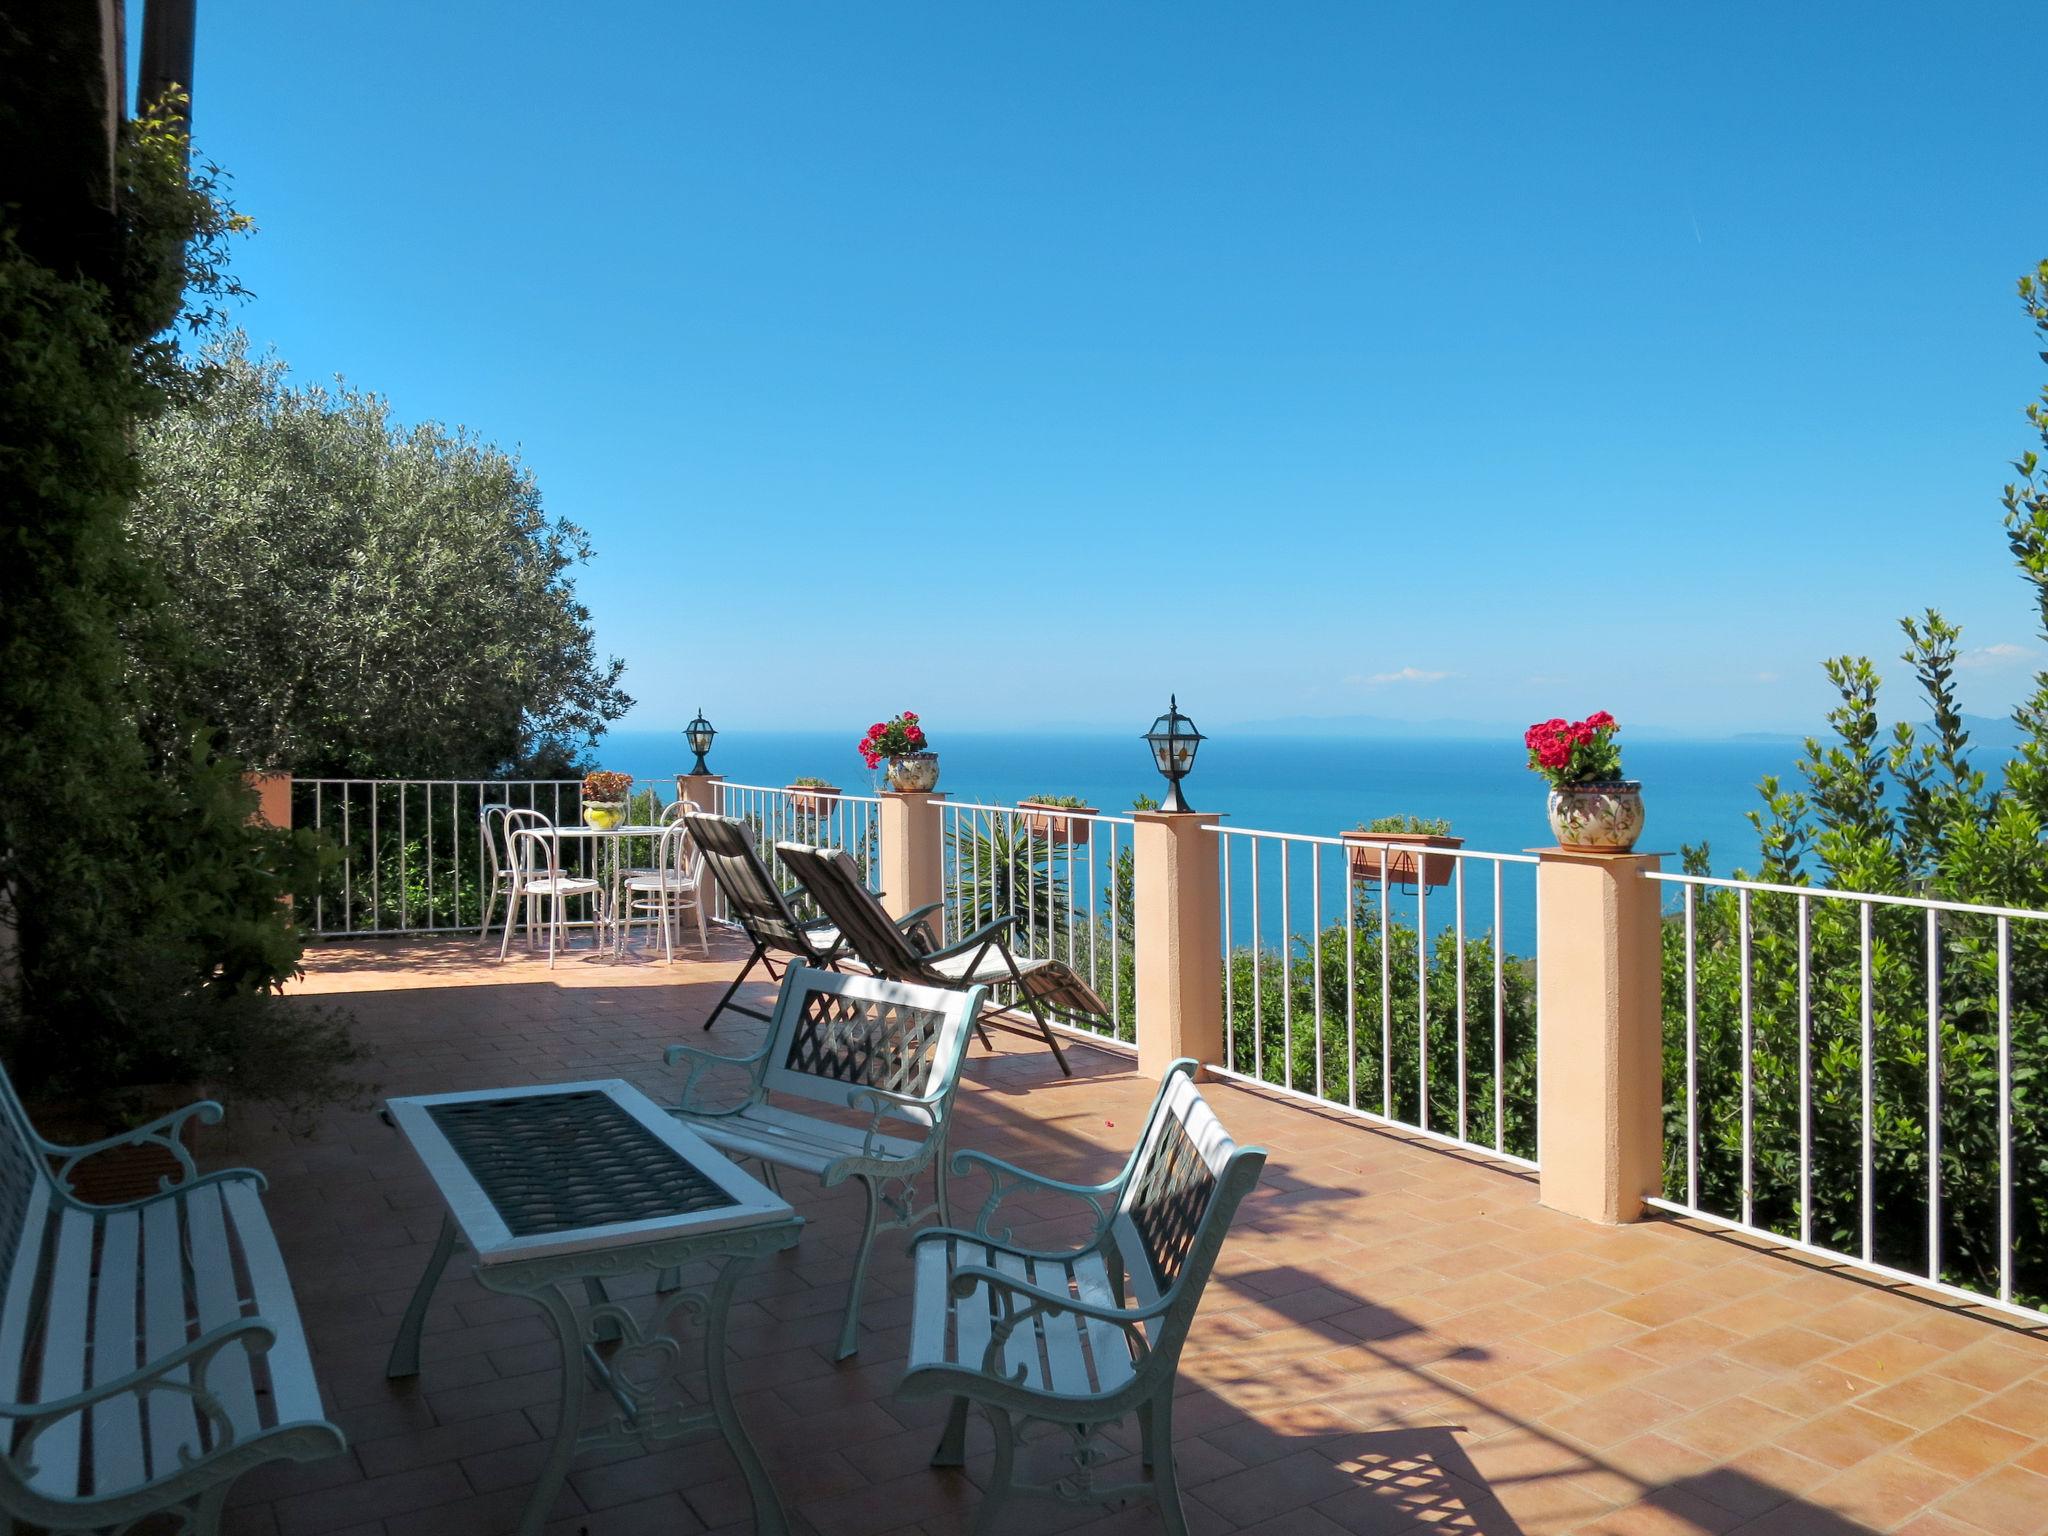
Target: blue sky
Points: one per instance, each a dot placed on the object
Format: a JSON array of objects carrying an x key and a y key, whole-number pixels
[{"x": 1018, "y": 364}]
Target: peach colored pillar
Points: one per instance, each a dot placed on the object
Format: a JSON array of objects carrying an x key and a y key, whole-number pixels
[
  {"x": 1600, "y": 1049},
  {"x": 1179, "y": 943},
  {"x": 701, "y": 789},
  {"x": 913, "y": 866},
  {"x": 273, "y": 798}
]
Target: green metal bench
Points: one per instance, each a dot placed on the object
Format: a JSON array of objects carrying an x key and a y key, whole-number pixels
[
  {"x": 150, "y": 1351},
  {"x": 888, "y": 1052},
  {"x": 1080, "y": 1339}
]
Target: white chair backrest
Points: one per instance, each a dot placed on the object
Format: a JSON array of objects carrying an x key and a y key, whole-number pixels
[
  {"x": 677, "y": 853},
  {"x": 1173, "y": 1190},
  {"x": 536, "y": 850},
  {"x": 500, "y": 823},
  {"x": 677, "y": 810},
  {"x": 835, "y": 1034}
]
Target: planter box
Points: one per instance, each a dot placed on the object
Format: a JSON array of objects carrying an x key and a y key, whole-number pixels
[
  {"x": 1404, "y": 865},
  {"x": 812, "y": 799},
  {"x": 1057, "y": 823}
]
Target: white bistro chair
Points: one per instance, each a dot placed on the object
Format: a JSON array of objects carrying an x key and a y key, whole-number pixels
[
  {"x": 498, "y": 824},
  {"x": 537, "y": 877},
  {"x": 664, "y": 893}
]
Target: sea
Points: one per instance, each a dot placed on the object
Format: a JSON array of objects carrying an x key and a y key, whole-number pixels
[{"x": 1696, "y": 792}]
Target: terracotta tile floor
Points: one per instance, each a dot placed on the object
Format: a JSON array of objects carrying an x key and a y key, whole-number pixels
[{"x": 1398, "y": 1338}]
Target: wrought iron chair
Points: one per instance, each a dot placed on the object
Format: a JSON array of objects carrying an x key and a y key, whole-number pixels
[
  {"x": 983, "y": 957},
  {"x": 760, "y": 907},
  {"x": 665, "y": 892},
  {"x": 1081, "y": 1339},
  {"x": 889, "y": 1053}
]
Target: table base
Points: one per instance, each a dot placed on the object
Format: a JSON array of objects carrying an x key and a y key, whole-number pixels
[{"x": 625, "y": 1348}]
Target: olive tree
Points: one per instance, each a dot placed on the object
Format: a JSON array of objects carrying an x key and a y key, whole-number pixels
[{"x": 370, "y": 599}]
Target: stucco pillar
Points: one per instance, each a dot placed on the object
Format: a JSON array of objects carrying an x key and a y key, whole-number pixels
[
  {"x": 702, "y": 788},
  {"x": 1600, "y": 1049},
  {"x": 273, "y": 799},
  {"x": 1179, "y": 940},
  {"x": 913, "y": 866}
]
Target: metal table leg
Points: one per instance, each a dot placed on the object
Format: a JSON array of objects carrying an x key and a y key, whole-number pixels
[{"x": 627, "y": 1348}]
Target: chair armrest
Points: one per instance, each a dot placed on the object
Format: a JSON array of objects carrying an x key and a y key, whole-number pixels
[
  {"x": 988, "y": 933},
  {"x": 922, "y": 1110},
  {"x": 1021, "y": 1301},
  {"x": 198, "y": 1353},
  {"x": 166, "y": 1132},
  {"x": 1006, "y": 1178},
  {"x": 922, "y": 912},
  {"x": 702, "y": 1061}
]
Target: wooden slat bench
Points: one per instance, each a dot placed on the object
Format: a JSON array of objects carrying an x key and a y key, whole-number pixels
[
  {"x": 887, "y": 1052},
  {"x": 150, "y": 1351}
]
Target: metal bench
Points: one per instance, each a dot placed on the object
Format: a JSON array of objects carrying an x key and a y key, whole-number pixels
[
  {"x": 1082, "y": 1338},
  {"x": 887, "y": 1052},
  {"x": 151, "y": 1351}
]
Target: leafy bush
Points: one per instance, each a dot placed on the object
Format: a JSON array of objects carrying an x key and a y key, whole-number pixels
[
  {"x": 1907, "y": 814},
  {"x": 142, "y": 934}
]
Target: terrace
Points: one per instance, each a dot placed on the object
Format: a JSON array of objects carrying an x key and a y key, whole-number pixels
[{"x": 1404, "y": 1332}]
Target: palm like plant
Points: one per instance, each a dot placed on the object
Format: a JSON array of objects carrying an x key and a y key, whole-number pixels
[{"x": 1001, "y": 871}]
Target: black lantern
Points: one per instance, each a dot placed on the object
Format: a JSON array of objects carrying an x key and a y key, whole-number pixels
[
  {"x": 1174, "y": 739},
  {"x": 698, "y": 734}
]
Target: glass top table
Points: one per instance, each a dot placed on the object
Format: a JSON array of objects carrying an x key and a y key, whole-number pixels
[{"x": 593, "y": 1201}]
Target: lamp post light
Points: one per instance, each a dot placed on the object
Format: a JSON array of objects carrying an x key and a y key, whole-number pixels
[
  {"x": 698, "y": 735},
  {"x": 1174, "y": 741}
]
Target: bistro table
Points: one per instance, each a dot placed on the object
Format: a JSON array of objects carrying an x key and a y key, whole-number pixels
[{"x": 561, "y": 1188}]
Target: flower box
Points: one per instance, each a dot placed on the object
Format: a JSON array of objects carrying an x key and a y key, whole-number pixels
[
  {"x": 812, "y": 799},
  {"x": 1403, "y": 864},
  {"x": 1057, "y": 823}
]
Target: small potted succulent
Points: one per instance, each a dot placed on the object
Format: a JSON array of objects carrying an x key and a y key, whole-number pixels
[
  {"x": 901, "y": 744},
  {"x": 1591, "y": 805},
  {"x": 605, "y": 795},
  {"x": 1372, "y": 857},
  {"x": 1042, "y": 818},
  {"x": 811, "y": 796}
]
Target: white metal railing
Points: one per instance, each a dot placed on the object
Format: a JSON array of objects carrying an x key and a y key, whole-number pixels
[
  {"x": 826, "y": 818},
  {"x": 1066, "y": 876},
  {"x": 1889, "y": 1022},
  {"x": 1442, "y": 984},
  {"x": 412, "y": 857}
]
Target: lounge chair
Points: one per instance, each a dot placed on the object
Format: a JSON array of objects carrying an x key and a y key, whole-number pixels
[
  {"x": 982, "y": 958},
  {"x": 762, "y": 910}
]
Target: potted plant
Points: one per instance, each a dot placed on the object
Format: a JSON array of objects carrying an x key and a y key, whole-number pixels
[
  {"x": 1591, "y": 805},
  {"x": 604, "y": 798},
  {"x": 811, "y": 796},
  {"x": 902, "y": 745},
  {"x": 1042, "y": 818},
  {"x": 1371, "y": 857}
]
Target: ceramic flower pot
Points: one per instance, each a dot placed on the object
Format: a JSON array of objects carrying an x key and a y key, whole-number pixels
[
  {"x": 1607, "y": 818},
  {"x": 604, "y": 814},
  {"x": 914, "y": 772}
]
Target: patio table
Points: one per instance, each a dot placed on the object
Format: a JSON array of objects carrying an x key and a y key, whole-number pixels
[{"x": 562, "y": 1188}]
